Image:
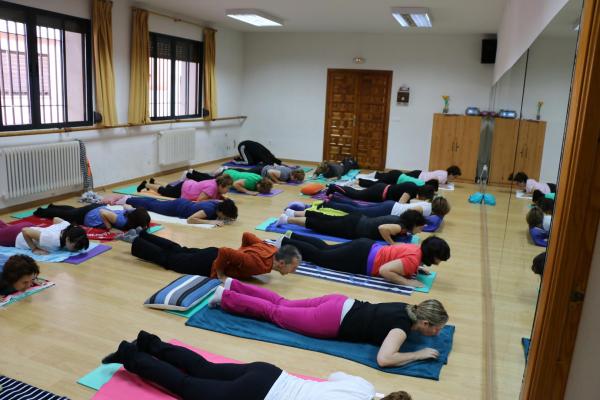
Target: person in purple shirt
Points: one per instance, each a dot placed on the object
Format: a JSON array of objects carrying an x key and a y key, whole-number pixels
[{"x": 214, "y": 212}]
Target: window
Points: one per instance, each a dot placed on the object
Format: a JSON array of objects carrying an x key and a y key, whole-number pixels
[
  {"x": 175, "y": 77},
  {"x": 45, "y": 69}
]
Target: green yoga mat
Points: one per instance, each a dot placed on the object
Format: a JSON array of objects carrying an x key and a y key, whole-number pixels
[
  {"x": 307, "y": 169},
  {"x": 265, "y": 224},
  {"x": 195, "y": 309},
  {"x": 98, "y": 377},
  {"x": 25, "y": 214},
  {"x": 427, "y": 280},
  {"x": 130, "y": 190}
]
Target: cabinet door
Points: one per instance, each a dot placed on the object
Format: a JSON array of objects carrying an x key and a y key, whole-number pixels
[
  {"x": 530, "y": 148},
  {"x": 504, "y": 145},
  {"x": 443, "y": 137},
  {"x": 466, "y": 148}
]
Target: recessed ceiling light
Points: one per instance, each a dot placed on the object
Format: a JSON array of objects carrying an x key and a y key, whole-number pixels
[
  {"x": 412, "y": 17},
  {"x": 254, "y": 17}
]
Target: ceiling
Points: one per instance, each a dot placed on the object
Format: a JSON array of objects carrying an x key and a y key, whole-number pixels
[
  {"x": 562, "y": 24},
  {"x": 344, "y": 16}
]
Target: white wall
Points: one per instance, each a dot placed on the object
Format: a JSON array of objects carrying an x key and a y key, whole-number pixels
[
  {"x": 549, "y": 76},
  {"x": 126, "y": 153},
  {"x": 285, "y": 80},
  {"x": 522, "y": 22},
  {"x": 583, "y": 380}
]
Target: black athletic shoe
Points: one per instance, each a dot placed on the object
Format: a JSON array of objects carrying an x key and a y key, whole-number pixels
[
  {"x": 141, "y": 186},
  {"x": 120, "y": 355}
]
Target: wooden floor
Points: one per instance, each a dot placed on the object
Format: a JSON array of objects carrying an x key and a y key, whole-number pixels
[{"x": 53, "y": 338}]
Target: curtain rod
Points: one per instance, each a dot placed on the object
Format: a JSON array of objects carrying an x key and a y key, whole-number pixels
[{"x": 176, "y": 19}]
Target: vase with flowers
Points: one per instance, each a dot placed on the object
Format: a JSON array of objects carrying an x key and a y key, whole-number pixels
[
  {"x": 446, "y": 104},
  {"x": 538, "y": 115}
]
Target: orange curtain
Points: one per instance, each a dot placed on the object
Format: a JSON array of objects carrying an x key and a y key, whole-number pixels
[
  {"x": 139, "y": 107},
  {"x": 103, "y": 61},
  {"x": 210, "y": 81}
]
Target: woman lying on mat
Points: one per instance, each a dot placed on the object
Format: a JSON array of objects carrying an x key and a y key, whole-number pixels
[
  {"x": 252, "y": 153},
  {"x": 18, "y": 274},
  {"x": 398, "y": 263},
  {"x": 530, "y": 185},
  {"x": 249, "y": 183},
  {"x": 336, "y": 316},
  {"x": 402, "y": 178},
  {"x": 353, "y": 226},
  {"x": 537, "y": 218},
  {"x": 214, "y": 212},
  {"x": 379, "y": 192},
  {"x": 189, "y": 189},
  {"x": 98, "y": 216},
  {"x": 254, "y": 257},
  {"x": 335, "y": 170},
  {"x": 443, "y": 177},
  {"x": 61, "y": 235},
  {"x": 190, "y": 376},
  {"x": 276, "y": 173},
  {"x": 439, "y": 206}
]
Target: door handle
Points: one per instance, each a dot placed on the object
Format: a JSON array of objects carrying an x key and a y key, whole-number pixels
[
  {"x": 457, "y": 146},
  {"x": 333, "y": 126},
  {"x": 577, "y": 296}
]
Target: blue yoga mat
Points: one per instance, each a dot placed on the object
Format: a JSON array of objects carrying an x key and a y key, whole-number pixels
[
  {"x": 270, "y": 226},
  {"x": 526, "y": 343},
  {"x": 214, "y": 319}
]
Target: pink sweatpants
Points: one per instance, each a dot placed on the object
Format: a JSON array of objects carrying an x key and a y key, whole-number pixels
[
  {"x": 318, "y": 317},
  {"x": 9, "y": 233}
]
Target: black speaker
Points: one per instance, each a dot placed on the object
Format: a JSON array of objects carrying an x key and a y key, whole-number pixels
[{"x": 488, "y": 51}]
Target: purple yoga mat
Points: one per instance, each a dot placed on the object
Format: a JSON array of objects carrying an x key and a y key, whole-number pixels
[
  {"x": 274, "y": 192},
  {"x": 323, "y": 196},
  {"x": 79, "y": 258}
]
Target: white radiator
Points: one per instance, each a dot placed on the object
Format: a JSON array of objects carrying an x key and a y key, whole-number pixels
[
  {"x": 27, "y": 170},
  {"x": 176, "y": 146}
]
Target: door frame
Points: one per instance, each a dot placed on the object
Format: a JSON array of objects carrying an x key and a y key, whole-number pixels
[
  {"x": 389, "y": 74},
  {"x": 577, "y": 214}
]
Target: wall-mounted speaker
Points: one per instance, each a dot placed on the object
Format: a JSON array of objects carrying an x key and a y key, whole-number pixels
[{"x": 488, "y": 51}]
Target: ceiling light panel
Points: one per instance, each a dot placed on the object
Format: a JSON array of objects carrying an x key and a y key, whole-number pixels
[
  {"x": 254, "y": 17},
  {"x": 412, "y": 17}
]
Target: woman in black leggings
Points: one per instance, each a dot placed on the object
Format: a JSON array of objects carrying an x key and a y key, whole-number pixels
[
  {"x": 253, "y": 153},
  {"x": 171, "y": 255},
  {"x": 190, "y": 376},
  {"x": 379, "y": 192}
]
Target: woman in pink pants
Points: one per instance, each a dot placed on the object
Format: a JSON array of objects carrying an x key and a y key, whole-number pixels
[{"x": 336, "y": 316}]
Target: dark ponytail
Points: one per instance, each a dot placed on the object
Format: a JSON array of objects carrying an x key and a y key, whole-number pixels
[
  {"x": 76, "y": 235},
  {"x": 137, "y": 217}
]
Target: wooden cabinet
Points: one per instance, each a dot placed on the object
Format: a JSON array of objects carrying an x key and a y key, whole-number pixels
[
  {"x": 455, "y": 141},
  {"x": 517, "y": 145}
]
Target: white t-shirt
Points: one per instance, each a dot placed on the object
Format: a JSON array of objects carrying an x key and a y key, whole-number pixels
[
  {"x": 339, "y": 386},
  {"x": 400, "y": 208},
  {"x": 547, "y": 222},
  {"x": 440, "y": 175},
  {"x": 49, "y": 237}
]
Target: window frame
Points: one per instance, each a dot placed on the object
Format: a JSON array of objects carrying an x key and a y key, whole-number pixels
[
  {"x": 199, "y": 77},
  {"x": 31, "y": 14}
]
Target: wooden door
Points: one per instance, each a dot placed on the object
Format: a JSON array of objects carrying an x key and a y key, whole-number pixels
[
  {"x": 356, "y": 116},
  {"x": 530, "y": 148},
  {"x": 443, "y": 137},
  {"x": 504, "y": 146},
  {"x": 466, "y": 147},
  {"x": 372, "y": 118}
]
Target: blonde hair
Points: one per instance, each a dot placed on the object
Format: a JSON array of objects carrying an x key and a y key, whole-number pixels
[
  {"x": 399, "y": 395},
  {"x": 431, "y": 311},
  {"x": 297, "y": 175},
  {"x": 440, "y": 206},
  {"x": 535, "y": 217}
]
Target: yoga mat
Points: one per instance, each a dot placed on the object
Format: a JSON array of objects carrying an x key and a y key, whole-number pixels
[
  {"x": 41, "y": 284},
  {"x": 219, "y": 321},
  {"x": 371, "y": 282},
  {"x": 283, "y": 228},
  {"x": 526, "y": 343},
  {"x": 178, "y": 221},
  {"x": 14, "y": 389},
  {"x": 90, "y": 253},
  {"x": 427, "y": 280},
  {"x": 520, "y": 194},
  {"x": 132, "y": 191},
  {"x": 26, "y": 213},
  {"x": 347, "y": 177},
  {"x": 127, "y": 386},
  {"x": 100, "y": 376},
  {"x": 274, "y": 192},
  {"x": 54, "y": 257},
  {"x": 194, "y": 309},
  {"x": 447, "y": 186}
]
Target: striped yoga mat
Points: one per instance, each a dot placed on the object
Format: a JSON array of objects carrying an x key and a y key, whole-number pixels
[
  {"x": 13, "y": 389},
  {"x": 371, "y": 282}
]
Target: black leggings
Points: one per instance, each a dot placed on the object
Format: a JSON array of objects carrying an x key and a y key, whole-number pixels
[
  {"x": 74, "y": 215},
  {"x": 390, "y": 177},
  {"x": 171, "y": 255},
  {"x": 190, "y": 376},
  {"x": 373, "y": 193},
  {"x": 347, "y": 257},
  {"x": 552, "y": 187},
  {"x": 344, "y": 227},
  {"x": 199, "y": 176},
  {"x": 254, "y": 153},
  {"x": 414, "y": 174},
  {"x": 171, "y": 190}
]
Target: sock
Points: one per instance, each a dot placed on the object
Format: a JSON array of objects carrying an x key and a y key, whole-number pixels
[
  {"x": 278, "y": 242},
  {"x": 283, "y": 219},
  {"x": 289, "y": 212},
  {"x": 151, "y": 180},
  {"x": 216, "y": 299},
  {"x": 227, "y": 284}
]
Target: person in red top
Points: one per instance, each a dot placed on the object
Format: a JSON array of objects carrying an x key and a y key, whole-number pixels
[
  {"x": 397, "y": 263},
  {"x": 254, "y": 257}
]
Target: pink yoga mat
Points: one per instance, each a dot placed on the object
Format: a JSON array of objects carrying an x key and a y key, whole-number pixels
[{"x": 127, "y": 386}]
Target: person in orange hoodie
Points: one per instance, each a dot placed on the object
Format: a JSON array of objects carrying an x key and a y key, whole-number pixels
[{"x": 254, "y": 257}]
